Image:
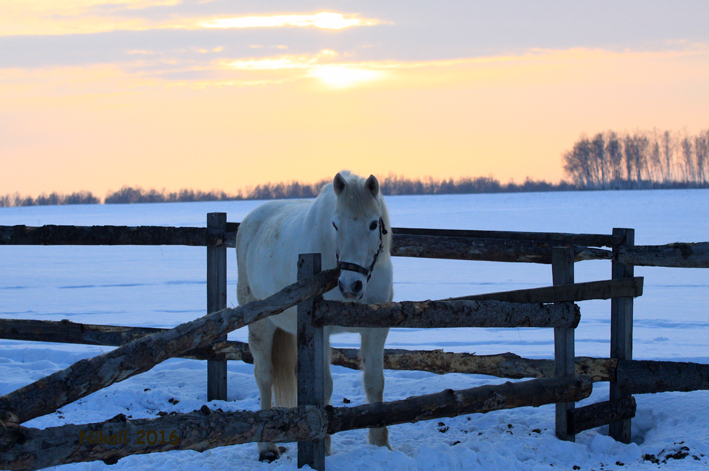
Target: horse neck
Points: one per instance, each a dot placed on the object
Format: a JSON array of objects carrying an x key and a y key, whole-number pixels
[
  {"x": 319, "y": 218},
  {"x": 386, "y": 239}
]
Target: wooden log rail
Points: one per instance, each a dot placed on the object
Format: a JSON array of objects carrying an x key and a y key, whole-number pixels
[
  {"x": 500, "y": 246},
  {"x": 633, "y": 376},
  {"x": 428, "y": 243},
  {"x": 627, "y": 287},
  {"x": 65, "y": 331},
  {"x": 107, "y": 235},
  {"x": 24, "y": 448},
  {"x": 432, "y": 314},
  {"x": 556, "y": 238},
  {"x": 505, "y": 365},
  {"x": 675, "y": 255},
  {"x": 141, "y": 235},
  {"x": 90, "y": 375},
  {"x": 644, "y": 377},
  {"x": 29, "y": 448},
  {"x": 451, "y": 403},
  {"x": 600, "y": 413},
  {"x": 493, "y": 250},
  {"x": 679, "y": 255}
]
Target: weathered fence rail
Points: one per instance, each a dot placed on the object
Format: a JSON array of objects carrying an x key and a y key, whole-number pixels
[
  {"x": 505, "y": 365},
  {"x": 557, "y": 238},
  {"x": 627, "y": 287},
  {"x": 642, "y": 377},
  {"x": 432, "y": 314},
  {"x": 496, "y": 246},
  {"x": 24, "y": 448},
  {"x": 106, "y": 235},
  {"x": 679, "y": 255},
  {"x": 495, "y": 250},
  {"x": 599, "y": 414}
]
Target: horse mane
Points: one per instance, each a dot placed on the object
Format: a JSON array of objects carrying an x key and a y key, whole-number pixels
[{"x": 361, "y": 202}]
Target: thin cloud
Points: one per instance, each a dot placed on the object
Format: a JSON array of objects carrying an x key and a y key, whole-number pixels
[
  {"x": 324, "y": 20},
  {"x": 95, "y": 16},
  {"x": 320, "y": 66},
  {"x": 302, "y": 61}
]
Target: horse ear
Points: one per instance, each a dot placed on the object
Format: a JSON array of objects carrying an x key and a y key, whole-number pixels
[
  {"x": 372, "y": 185},
  {"x": 339, "y": 184}
]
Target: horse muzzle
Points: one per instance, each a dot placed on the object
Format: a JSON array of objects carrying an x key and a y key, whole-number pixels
[{"x": 351, "y": 289}]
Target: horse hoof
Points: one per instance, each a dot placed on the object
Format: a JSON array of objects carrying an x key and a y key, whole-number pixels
[
  {"x": 282, "y": 449},
  {"x": 268, "y": 456}
]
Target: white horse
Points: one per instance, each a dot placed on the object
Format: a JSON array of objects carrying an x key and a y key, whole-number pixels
[{"x": 348, "y": 223}]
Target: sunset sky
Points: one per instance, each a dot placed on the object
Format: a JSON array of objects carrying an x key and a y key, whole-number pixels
[{"x": 227, "y": 94}]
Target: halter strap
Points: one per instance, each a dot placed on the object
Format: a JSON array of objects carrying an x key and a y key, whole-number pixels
[{"x": 360, "y": 269}]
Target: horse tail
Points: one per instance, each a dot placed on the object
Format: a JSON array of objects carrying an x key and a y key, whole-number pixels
[
  {"x": 243, "y": 289},
  {"x": 284, "y": 358}
]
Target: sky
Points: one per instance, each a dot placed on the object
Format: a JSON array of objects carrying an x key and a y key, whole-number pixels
[{"x": 224, "y": 94}]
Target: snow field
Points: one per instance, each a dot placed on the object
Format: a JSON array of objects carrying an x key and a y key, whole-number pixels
[{"x": 164, "y": 286}]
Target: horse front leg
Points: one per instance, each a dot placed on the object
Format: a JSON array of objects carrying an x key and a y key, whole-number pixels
[
  {"x": 372, "y": 354},
  {"x": 260, "y": 344}
]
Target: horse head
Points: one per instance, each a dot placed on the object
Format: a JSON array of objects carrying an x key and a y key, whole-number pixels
[{"x": 360, "y": 222}]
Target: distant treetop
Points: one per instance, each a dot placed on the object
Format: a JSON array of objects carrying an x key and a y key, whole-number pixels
[{"x": 643, "y": 159}]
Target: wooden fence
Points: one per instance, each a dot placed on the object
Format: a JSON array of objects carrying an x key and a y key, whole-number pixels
[{"x": 563, "y": 381}]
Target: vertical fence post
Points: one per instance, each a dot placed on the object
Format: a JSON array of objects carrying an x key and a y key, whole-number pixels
[
  {"x": 216, "y": 300},
  {"x": 562, "y": 266},
  {"x": 621, "y": 330},
  {"x": 311, "y": 361}
]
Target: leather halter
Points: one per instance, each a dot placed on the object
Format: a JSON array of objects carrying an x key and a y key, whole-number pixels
[{"x": 358, "y": 268}]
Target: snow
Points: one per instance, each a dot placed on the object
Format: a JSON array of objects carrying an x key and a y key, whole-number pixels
[{"x": 165, "y": 286}]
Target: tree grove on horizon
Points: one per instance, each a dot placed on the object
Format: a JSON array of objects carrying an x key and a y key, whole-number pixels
[{"x": 643, "y": 159}]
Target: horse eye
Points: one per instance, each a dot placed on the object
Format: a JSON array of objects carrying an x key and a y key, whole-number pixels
[
  {"x": 333, "y": 225},
  {"x": 373, "y": 225}
]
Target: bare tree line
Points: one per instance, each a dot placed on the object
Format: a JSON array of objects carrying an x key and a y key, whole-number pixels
[
  {"x": 81, "y": 197},
  {"x": 643, "y": 159},
  {"x": 390, "y": 185},
  {"x": 130, "y": 195}
]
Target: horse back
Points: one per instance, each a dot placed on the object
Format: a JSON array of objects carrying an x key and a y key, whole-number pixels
[{"x": 268, "y": 242}]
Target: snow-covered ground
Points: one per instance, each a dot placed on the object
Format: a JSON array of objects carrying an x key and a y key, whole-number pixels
[{"x": 164, "y": 286}]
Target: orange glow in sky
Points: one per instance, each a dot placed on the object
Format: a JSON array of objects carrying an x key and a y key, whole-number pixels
[{"x": 97, "y": 94}]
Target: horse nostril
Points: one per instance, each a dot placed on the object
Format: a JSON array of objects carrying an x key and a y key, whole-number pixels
[
  {"x": 342, "y": 287},
  {"x": 357, "y": 286}
]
